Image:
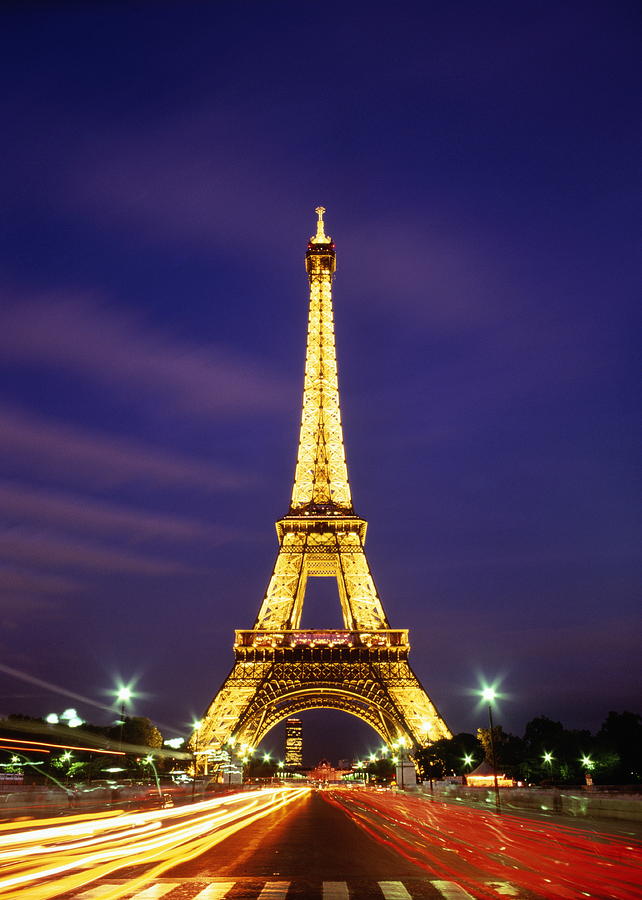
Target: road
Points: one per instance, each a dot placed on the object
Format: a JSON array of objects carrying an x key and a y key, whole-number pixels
[{"x": 350, "y": 845}]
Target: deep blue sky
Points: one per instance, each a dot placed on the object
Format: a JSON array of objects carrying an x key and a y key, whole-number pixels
[{"x": 161, "y": 165}]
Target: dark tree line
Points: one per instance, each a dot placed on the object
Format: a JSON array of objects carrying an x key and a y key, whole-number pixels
[
  {"x": 137, "y": 735},
  {"x": 547, "y": 753}
]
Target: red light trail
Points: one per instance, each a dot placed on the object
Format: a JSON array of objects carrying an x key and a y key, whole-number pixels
[{"x": 457, "y": 843}]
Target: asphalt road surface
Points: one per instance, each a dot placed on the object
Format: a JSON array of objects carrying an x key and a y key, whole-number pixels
[{"x": 358, "y": 845}]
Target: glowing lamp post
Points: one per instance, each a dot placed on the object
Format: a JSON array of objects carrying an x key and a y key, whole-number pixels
[
  {"x": 149, "y": 761},
  {"x": 488, "y": 695},
  {"x": 124, "y": 696},
  {"x": 548, "y": 759},
  {"x": 588, "y": 764}
]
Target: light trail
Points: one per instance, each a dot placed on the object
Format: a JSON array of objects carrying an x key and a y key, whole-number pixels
[
  {"x": 458, "y": 843},
  {"x": 31, "y": 749},
  {"x": 44, "y": 744},
  {"x": 59, "y": 856}
]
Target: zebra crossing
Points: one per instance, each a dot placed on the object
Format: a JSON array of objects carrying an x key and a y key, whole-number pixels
[{"x": 251, "y": 889}]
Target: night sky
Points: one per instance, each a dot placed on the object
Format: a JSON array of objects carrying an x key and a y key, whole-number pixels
[{"x": 161, "y": 165}]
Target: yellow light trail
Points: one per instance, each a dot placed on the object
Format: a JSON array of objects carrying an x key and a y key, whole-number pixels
[
  {"x": 35, "y": 744},
  {"x": 55, "y": 857}
]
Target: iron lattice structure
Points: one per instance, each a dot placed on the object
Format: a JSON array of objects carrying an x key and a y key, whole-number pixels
[{"x": 280, "y": 669}]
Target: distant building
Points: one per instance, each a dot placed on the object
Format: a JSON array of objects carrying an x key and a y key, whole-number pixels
[
  {"x": 293, "y": 743},
  {"x": 325, "y": 773},
  {"x": 484, "y": 776}
]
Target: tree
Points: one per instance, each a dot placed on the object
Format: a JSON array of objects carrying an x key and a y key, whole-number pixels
[
  {"x": 544, "y": 740},
  {"x": 509, "y": 749},
  {"x": 259, "y": 767},
  {"x": 541, "y": 734},
  {"x": 381, "y": 771},
  {"x": 618, "y": 748},
  {"x": 553, "y": 754},
  {"x": 447, "y": 756},
  {"x": 137, "y": 730}
]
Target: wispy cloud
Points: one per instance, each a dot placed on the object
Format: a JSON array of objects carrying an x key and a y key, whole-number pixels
[
  {"x": 80, "y": 334},
  {"x": 206, "y": 180},
  {"x": 71, "y": 512},
  {"x": 24, "y": 592},
  {"x": 51, "y": 448},
  {"x": 211, "y": 182},
  {"x": 449, "y": 282},
  {"x": 20, "y": 581},
  {"x": 25, "y": 545},
  {"x": 441, "y": 278}
]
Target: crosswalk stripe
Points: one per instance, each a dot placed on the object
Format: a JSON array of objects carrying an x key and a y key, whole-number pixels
[
  {"x": 215, "y": 891},
  {"x": 451, "y": 891},
  {"x": 335, "y": 890},
  {"x": 95, "y": 893},
  {"x": 155, "y": 891},
  {"x": 278, "y": 890},
  {"x": 274, "y": 890},
  {"x": 394, "y": 890}
]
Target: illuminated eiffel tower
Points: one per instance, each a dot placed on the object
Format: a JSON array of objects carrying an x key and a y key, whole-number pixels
[{"x": 279, "y": 668}]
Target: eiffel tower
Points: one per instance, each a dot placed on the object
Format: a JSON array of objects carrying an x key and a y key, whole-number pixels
[{"x": 281, "y": 669}]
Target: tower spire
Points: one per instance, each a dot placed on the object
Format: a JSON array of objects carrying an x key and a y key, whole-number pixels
[
  {"x": 320, "y": 237},
  {"x": 321, "y": 477}
]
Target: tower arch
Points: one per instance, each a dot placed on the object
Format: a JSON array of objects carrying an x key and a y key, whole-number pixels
[{"x": 330, "y": 697}]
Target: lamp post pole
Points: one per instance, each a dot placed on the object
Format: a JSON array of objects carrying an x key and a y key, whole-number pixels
[
  {"x": 488, "y": 694},
  {"x": 492, "y": 750},
  {"x": 194, "y": 773},
  {"x": 196, "y": 726}
]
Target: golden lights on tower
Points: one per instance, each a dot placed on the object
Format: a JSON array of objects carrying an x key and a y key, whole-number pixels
[
  {"x": 320, "y": 237},
  {"x": 281, "y": 670}
]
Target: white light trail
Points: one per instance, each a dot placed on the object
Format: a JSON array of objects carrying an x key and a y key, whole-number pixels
[{"x": 51, "y": 859}]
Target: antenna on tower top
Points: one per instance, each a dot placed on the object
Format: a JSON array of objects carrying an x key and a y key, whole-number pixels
[{"x": 320, "y": 237}]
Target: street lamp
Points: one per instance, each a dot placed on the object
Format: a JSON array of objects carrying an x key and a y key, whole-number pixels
[
  {"x": 149, "y": 761},
  {"x": 588, "y": 764},
  {"x": 468, "y": 759},
  {"x": 548, "y": 759},
  {"x": 123, "y": 696},
  {"x": 489, "y": 695}
]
